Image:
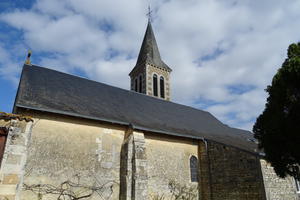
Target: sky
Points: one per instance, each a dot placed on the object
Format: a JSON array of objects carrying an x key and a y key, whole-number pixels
[{"x": 223, "y": 53}]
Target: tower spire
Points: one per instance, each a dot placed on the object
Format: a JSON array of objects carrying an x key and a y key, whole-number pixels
[{"x": 149, "y": 52}]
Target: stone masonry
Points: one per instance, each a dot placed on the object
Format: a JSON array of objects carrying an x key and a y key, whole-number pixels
[
  {"x": 204, "y": 171},
  {"x": 227, "y": 173},
  {"x": 277, "y": 188},
  {"x": 147, "y": 72},
  {"x": 139, "y": 71},
  {"x": 14, "y": 159},
  {"x": 234, "y": 174},
  {"x": 133, "y": 171},
  {"x": 151, "y": 69}
]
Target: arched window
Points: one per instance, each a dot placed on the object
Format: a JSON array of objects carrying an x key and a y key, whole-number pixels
[
  {"x": 155, "y": 93},
  {"x": 140, "y": 84},
  {"x": 162, "y": 87},
  {"x": 136, "y": 85},
  {"x": 194, "y": 168}
]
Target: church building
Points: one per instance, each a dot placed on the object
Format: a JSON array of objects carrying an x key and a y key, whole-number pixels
[{"x": 74, "y": 138}]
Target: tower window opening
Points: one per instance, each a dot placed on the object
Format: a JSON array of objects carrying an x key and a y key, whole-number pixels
[
  {"x": 194, "y": 168},
  {"x": 136, "y": 85},
  {"x": 140, "y": 84},
  {"x": 162, "y": 87},
  {"x": 155, "y": 92}
]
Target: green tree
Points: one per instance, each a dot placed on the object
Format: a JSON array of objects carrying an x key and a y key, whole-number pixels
[{"x": 277, "y": 129}]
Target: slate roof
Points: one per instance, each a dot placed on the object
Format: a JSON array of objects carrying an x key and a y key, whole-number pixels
[
  {"x": 149, "y": 52},
  {"x": 56, "y": 92}
]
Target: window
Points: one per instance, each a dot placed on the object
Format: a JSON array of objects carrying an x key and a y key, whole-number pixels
[
  {"x": 136, "y": 85},
  {"x": 140, "y": 84},
  {"x": 194, "y": 168},
  {"x": 162, "y": 87},
  {"x": 297, "y": 185},
  {"x": 155, "y": 93}
]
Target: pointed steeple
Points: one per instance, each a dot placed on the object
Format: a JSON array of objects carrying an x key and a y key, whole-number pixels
[
  {"x": 150, "y": 75},
  {"x": 149, "y": 52}
]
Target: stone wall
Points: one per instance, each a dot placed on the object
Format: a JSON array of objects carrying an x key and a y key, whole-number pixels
[
  {"x": 134, "y": 165},
  {"x": 151, "y": 69},
  {"x": 205, "y": 171},
  {"x": 147, "y": 72},
  {"x": 138, "y": 71},
  {"x": 234, "y": 174},
  {"x": 14, "y": 158},
  {"x": 277, "y": 188}
]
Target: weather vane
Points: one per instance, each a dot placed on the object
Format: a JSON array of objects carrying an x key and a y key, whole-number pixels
[
  {"x": 149, "y": 14},
  {"x": 28, "y": 61}
]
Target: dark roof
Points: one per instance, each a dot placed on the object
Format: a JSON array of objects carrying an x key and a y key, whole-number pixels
[
  {"x": 149, "y": 52},
  {"x": 56, "y": 92}
]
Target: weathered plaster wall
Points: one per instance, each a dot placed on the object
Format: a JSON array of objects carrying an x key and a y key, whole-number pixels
[
  {"x": 168, "y": 159},
  {"x": 235, "y": 174},
  {"x": 66, "y": 149},
  {"x": 277, "y": 188}
]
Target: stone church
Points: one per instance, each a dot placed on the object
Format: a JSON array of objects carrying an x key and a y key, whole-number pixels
[{"x": 74, "y": 138}]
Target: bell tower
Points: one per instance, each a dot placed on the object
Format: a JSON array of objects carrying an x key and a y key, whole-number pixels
[{"x": 151, "y": 76}]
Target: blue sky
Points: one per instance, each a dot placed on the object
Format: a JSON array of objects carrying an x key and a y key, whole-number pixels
[
  {"x": 223, "y": 53},
  {"x": 9, "y": 36}
]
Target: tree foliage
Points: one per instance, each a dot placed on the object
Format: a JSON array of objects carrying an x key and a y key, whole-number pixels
[{"x": 278, "y": 127}]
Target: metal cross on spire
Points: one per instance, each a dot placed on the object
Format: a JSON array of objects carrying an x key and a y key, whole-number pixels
[{"x": 149, "y": 14}]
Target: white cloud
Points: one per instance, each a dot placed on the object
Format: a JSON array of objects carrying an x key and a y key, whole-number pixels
[
  {"x": 9, "y": 67},
  {"x": 210, "y": 45}
]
